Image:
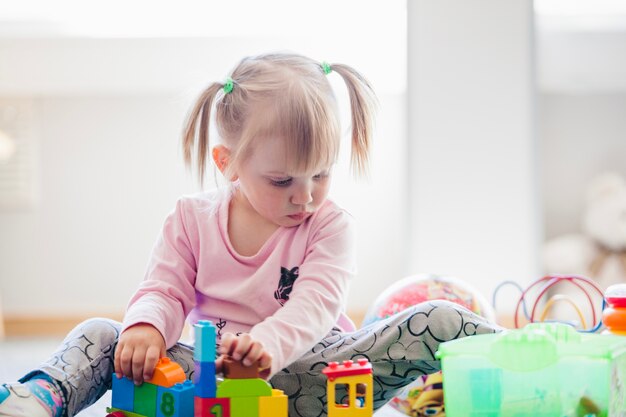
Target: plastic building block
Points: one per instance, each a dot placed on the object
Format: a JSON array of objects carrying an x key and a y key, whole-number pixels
[
  {"x": 204, "y": 350},
  {"x": 116, "y": 414},
  {"x": 145, "y": 399},
  {"x": 335, "y": 370},
  {"x": 123, "y": 396},
  {"x": 244, "y": 407},
  {"x": 204, "y": 378},
  {"x": 235, "y": 388},
  {"x": 233, "y": 369},
  {"x": 176, "y": 401},
  {"x": 356, "y": 376},
  {"x": 244, "y": 395},
  {"x": 274, "y": 406},
  {"x": 167, "y": 373},
  {"x": 211, "y": 407}
]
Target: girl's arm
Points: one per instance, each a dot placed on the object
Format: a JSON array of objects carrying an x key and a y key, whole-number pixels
[
  {"x": 156, "y": 312},
  {"x": 319, "y": 293}
]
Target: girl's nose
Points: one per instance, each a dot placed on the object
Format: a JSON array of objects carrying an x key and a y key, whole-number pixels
[{"x": 302, "y": 195}]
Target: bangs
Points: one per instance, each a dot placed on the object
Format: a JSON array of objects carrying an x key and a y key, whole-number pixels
[{"x": 307, "y": 123}]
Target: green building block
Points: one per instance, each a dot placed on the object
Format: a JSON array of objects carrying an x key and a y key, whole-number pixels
[
  {"x": 244, "y": 407},
  {"x": 248, "y": 387},
  {"x": 145, "y": 399},
  {"x": 244, "y": 395}
]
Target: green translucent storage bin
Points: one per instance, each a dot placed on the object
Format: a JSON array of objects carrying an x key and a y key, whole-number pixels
[{"x": 542, "y": 370}]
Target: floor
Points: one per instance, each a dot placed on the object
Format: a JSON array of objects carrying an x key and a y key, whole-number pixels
[{"x": 20, "y": 355}]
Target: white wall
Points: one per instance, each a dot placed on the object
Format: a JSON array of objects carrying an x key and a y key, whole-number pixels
[
  {"x": 109, "y": 172},
  {"x": 582, "y": 135},
  {"x": 473, "y": 193}
]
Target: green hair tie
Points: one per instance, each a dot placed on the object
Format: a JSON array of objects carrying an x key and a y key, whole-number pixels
[
  {"x": 326, "y": 67},
  {"x": 228, "y": 85}
]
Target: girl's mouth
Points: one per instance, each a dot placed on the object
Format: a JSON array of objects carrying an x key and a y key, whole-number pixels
[{"x": 299, "y": 216}]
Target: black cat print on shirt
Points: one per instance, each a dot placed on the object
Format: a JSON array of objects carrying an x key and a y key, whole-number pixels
[{"x": 285, "y": 284}]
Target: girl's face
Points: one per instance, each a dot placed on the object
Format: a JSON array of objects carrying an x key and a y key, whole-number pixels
[{"x": 283, "y": 198}]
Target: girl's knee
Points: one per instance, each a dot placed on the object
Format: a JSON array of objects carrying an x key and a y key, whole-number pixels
[{"x": 100, "y": 327}]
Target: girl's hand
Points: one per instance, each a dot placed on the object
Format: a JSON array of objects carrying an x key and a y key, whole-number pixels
[
  {"x": 138, "y": 352},
  {"x": 245, "y": 349}
]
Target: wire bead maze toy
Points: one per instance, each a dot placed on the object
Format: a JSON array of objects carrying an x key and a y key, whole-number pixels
[{"x": 535, "y": 293}]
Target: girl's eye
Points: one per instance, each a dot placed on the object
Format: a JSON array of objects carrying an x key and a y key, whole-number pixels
[
  {"x": 281, "y": 183},
  {"x": 320, "y": 176}
]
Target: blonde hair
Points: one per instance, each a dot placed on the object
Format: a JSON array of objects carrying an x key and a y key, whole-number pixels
[{"x": 286, "y": 96}]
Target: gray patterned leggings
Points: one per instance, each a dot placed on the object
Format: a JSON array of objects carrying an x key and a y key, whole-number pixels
[{"x": 400, "y": 348}]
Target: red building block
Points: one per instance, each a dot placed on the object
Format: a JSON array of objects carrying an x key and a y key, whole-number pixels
[{"x": 211, "y": 407}]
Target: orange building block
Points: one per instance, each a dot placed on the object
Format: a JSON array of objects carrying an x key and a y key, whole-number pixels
[{"x": 167, "y": 374}]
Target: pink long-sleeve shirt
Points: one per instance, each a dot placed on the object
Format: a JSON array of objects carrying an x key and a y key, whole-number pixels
[{"x": 288, "y": 296}]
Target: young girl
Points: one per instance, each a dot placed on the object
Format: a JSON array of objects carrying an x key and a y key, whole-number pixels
[{"x": 268, "y": 259}]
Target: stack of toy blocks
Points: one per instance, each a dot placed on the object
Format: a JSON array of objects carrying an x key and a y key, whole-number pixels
[
  {"x": 205, "y": 402},
  {"x": 241, "y": 394},
  {"x": 167, "y": 394}
]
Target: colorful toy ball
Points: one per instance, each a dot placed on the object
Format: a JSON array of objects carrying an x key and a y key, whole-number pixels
[{"x": 416, "y": 289}]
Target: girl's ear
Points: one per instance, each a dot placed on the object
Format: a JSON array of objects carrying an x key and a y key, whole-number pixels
[{"x": 221, "y": 157}]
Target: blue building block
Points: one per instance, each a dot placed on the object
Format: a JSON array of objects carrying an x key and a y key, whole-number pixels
[
  {"x": 205, "y": 341},
  {"x": 123, "y": 393},
  {"x": 176, "y": 401},
  {"x": 204, "y": 379}
]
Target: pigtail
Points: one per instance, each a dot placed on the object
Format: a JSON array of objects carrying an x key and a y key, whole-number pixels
[
  {"x": 362, "y": 108},
  {"x": 201, "y": 113}
]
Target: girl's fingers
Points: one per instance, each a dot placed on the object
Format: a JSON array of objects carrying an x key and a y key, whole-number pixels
[
  {"x": 139, "y": 359},
  {"x": 126, "y": 358},
  {"x": 116, "y": 361},
  {"x": 253, "y": 354},
  {"x": 152, "y": 357},
  {"x": 242, "y": 347},
  {"x": 265, "y": 362}
]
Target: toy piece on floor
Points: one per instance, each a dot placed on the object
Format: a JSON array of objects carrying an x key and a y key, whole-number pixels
[
  {"x": 169, "y": 394},
  {"x": 535, "y": 294},
  {"x": 349, "y": 389},
  {"x": 424, "y": 398},
  {"x": 614, "y": 314},
  {"x": 542, "y": 370}
]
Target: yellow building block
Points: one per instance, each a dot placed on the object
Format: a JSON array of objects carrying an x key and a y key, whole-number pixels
[
  {"x": 358, "y": 381},
  {"x": 274, "y": 406}
]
